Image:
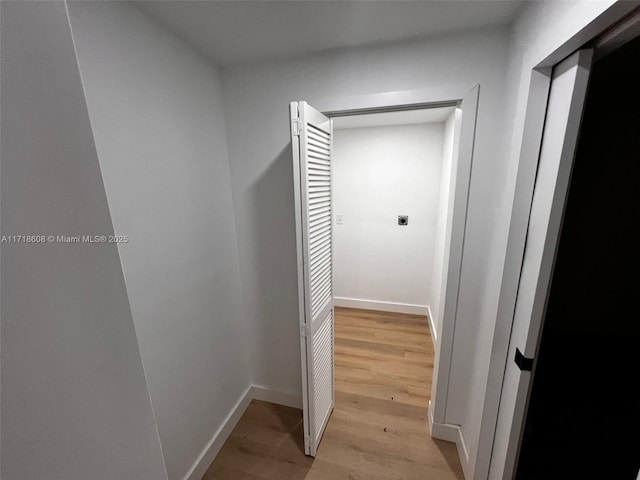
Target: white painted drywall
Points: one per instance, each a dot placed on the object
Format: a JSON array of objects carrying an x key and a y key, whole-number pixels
[
  {"x": 445, "y": 210},
  {"x": 378, "y": 174},
  {"x": 156, "y": 110},
  {"x": 75, "y": 403},
  {"x": 256, "y": 105}
]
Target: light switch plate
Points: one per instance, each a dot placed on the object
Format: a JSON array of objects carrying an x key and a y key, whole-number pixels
[{"x": 339, "y": 218}]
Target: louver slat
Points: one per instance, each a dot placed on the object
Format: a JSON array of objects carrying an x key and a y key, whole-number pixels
[
  {"x": 320, "y": 271},
  {"x": 319, "y": 215},
  {"x": 323, "y": 374}
]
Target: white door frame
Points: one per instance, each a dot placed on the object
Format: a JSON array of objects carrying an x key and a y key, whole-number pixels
[
  {"x": 567, "y": 98},
  {"x": 465, "y": 97},
  {"x": 536, "y": 109}
]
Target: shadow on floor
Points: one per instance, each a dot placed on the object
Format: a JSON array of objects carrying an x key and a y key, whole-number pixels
[
  {"x": 292, "y": 422},
  {"x": 267, "y": 443}
]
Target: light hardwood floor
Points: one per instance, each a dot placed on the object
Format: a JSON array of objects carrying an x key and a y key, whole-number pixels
[{"x": 378, "y": 429}]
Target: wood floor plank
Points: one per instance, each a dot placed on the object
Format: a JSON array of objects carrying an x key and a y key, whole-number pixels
[{"x": 378, "y": 429}]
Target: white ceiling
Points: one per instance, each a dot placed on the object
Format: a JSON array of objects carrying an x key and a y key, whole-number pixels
[
  {"x": 409, "y": 117},
  {"x": 240, "y": 31}
]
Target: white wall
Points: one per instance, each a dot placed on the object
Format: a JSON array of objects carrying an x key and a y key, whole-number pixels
[
  {"x": 445, "y": 210},
  {"x": 75, "y": 403},
  {"x": 380, "y": 173},
  {"x": 157, "y": 114},
  {"x": 256, "y": 102}
]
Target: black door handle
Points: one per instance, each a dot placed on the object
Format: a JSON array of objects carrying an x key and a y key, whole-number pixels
[{"x": 524, "y": 364}]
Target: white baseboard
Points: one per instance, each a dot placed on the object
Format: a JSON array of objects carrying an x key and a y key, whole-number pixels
[
  {"x": 381, "y": 306},
  {"x": 463, "y": 454},
  {"x": 253, "y": 392},
  {"x": 273, "y": 396},
  {"x": 451, "y": 433},
  {"x": 442, "y": 431},
  {"x": 199, "y": 468},
  {"x": 432, "y": 327}
]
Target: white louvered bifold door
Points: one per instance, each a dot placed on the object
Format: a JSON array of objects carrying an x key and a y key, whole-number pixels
[{"x": 312, "y": 147}]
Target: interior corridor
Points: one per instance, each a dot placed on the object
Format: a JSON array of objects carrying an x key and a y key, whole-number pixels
[{"x": 378, "y": 429}]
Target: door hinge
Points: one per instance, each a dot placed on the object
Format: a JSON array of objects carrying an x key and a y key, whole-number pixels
[
  {"x": 304, "y": 330},
  {"x": 524, "y": 364},
  {"x": 307, "y": 442},
  {"x": 296, "y": 127}
]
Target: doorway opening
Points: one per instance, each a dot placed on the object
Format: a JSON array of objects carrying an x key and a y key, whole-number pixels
[
  {"x": 391, "y": 200},
  {"x": 349, "y": 175}
]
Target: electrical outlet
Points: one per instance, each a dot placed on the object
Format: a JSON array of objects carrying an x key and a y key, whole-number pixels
[
  {"x": 403, "y": 220},
  {"x": 339, "y": 219}
]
